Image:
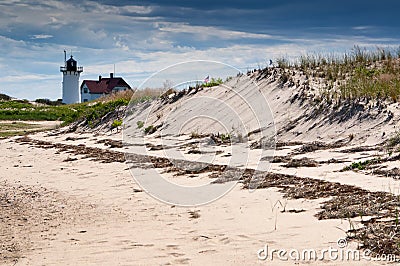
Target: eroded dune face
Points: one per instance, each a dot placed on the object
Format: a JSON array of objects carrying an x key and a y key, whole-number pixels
[
  {"x": 260, "y": 106},
  {"x": 237, "y": 106},
  {"x": 245, "y": 119}
]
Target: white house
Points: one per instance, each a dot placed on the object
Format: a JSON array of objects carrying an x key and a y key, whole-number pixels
[{"x": 93, "y": 89}]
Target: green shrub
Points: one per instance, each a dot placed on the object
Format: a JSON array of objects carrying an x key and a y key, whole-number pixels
[
  {"x": 4, "y": 97},
  {"x": 150, "y": 129},
  {"x": 362, "y": 165},
  {"x": 225, "y": 137},
  {"x": 116, "y": 123},
  {"x": 94, "y": 114},
  {"x": 49, "y": 102},
  {"x": 140, "y": 124}
]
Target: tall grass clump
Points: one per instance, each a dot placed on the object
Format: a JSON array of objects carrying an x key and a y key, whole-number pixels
[
  {"x": 359, "y": 74},
  {"x": 375, "y": 76},
  {"x": 147, "y": 94},
  {"x": 126, "y": 95},
  {"x": 135, "y": 96},
  {"x": 213, "y": 82},
  {"x": 282, "y": 62},
  {"x": 393, "y": 141}
]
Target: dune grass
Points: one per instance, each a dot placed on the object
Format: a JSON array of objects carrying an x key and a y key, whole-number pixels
[
  {"x": 213, "y": 82},
  {"x": 359, "y": 74},
  {"x": 393, "y": 141},
  {"x": 134, "y": 96},
  {"x": 374, "y": 83}
]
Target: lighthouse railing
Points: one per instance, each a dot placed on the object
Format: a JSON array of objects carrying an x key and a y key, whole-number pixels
[{"x": 64, "y": 68}]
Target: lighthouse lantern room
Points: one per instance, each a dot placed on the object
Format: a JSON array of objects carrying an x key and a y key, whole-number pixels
[{"x": 70, "y": 83}]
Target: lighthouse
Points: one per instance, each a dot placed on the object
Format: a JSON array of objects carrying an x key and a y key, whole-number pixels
[{"x": 70, "y": 84}]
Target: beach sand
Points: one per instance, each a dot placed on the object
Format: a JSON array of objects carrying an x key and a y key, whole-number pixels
[{"x": 79, "y": 211}]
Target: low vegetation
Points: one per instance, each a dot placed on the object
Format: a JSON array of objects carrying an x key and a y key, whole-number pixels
[
  {"x": 92, "y": 112},
  {"x": 140, "y": 124},
  {"x": 116, "y": 123},
  {"x": 9, "y": 129},
  {"x": 21, "y": 110},
  {"x": 362, "y": 165},
  {"x": 221, "y": 138},
  {"x": 150, "y": 129}
]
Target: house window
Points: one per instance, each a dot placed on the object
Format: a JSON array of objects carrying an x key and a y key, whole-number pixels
[
  {"x": 85, "y": 90},
  {"x": 84, "y": 100}
]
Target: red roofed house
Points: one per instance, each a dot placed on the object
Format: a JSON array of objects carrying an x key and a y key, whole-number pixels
[{"x": 93, "y": 89}]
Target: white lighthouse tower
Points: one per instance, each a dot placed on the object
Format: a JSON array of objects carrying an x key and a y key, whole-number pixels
[{"x": 71, "y": 73}]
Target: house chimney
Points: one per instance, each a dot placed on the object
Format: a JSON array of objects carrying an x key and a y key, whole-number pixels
[
  {"x": 99, "y": 78},
  {"x": 111, "y": 75}
]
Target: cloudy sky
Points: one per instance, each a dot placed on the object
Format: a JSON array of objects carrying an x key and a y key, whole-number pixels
[{"x": 142, "y": 37}]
